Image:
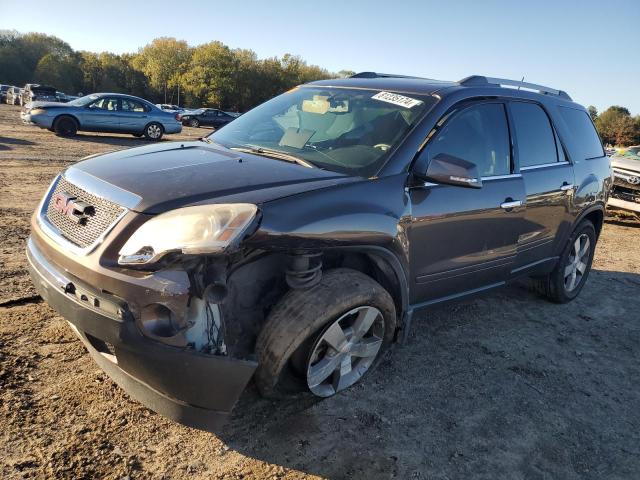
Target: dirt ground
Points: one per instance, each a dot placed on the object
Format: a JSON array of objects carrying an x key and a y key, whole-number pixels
[{"x": 507, "y": 386}]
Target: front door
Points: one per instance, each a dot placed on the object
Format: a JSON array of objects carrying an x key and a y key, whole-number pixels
[
  {"x": 101, "y": 115},
  {"x": 461, "y": 239}
]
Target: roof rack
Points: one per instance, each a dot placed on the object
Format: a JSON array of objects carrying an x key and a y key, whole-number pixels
[
  {"x": 479, "y": 80},
  {"x": 379, "y": 75}
]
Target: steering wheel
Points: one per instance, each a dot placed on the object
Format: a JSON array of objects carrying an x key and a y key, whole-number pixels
[{"x": 382, "y": 146}]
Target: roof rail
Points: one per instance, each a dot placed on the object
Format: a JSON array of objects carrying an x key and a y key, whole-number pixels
[
  {"x": 479, "y": 80},
  {"x": 379, "y": 75}
]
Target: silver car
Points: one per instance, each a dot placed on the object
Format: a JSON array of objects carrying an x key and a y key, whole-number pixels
[{"x": 103, "y": 112}]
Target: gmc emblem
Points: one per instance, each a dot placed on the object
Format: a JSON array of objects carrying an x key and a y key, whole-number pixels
[{"x": 76, "y": 210}]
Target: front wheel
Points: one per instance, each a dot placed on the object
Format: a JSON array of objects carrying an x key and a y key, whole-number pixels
[
  {"x": 65, "y": 127},
  {"x": 194, "y": 123},
  {"x": 153, "y": 131},
  {"x": 325, "y": 338},
  {"x": 565, "y": 282}
]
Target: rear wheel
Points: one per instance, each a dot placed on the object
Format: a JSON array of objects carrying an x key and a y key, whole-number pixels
[
  {"x": 153, "y": 131},
  {"x": 194, "y": 123},
  {"x": 325, "y": 338},
  {"x": 565, "y": 282},
  {"x": 65, "y": 127}
]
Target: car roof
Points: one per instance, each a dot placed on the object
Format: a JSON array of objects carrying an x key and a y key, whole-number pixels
[
  {"x": 400, "y": 84},
  {"x": 121, "y": 95},
  {"x": 473, "y": 85}
]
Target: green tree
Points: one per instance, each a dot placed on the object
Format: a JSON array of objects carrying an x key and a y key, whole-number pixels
[
  {"x": 593, "y": 112},
  {"x": 616, "y": 126},
  {"x": 163, "y": 61}
]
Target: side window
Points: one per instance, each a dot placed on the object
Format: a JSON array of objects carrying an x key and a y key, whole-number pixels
[
  {"x": 132, "y": 106},
  {"x": 478, "y": 134},
  {"x": 106, "y": 103},
  {"x": 583, "y": 131},
  {"x": 535, "y": 136}
]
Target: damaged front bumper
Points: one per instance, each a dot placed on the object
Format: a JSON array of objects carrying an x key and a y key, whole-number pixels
[
  {"x": 625, "y": 193},
  {"x": 193, "y": 388}
]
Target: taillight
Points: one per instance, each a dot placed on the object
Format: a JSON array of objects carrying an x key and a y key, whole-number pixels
[{"x": 178, "y": 116}]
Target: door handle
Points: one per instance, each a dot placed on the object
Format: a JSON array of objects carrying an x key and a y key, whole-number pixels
[
  {"x": 565, "y": 187},
  {"x": 508, "y": 205}
]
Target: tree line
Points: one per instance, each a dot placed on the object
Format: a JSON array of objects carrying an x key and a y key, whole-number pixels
[
  {"x": 616, "y": 126},
  {"x": 208, "y": 75},
  {"x": 211, "y": 74}
]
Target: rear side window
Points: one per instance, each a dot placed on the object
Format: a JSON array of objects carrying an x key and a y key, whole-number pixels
[
  {"x": 534, "y": 135},
  {"x": 581, "y": 127},
  {"x": 478, "y": 134}
]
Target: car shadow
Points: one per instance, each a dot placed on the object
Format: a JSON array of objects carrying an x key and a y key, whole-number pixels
[
  {"x": 6, "y": 141},
  {"x": 481, "y": 388},
  {"x": 112, "y": 140}
]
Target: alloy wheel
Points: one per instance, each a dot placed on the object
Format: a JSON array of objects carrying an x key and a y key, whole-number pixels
[
  {"x": 577, "y": 263},
  {"x": 345, "y": 351},
  {"x": 154, "y": 131}
]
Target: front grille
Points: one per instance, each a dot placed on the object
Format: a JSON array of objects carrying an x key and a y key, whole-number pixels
[{"x": 104, "y": 214}]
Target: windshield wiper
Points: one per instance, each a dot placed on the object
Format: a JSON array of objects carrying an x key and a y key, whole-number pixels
[{"x": 277, "y": 154}]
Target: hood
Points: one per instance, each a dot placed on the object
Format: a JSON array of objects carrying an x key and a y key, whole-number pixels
[
  {"x": 626, "y": 163},
  {"x": 175, "y": 174},
  {"x": 43, "y": 104}
]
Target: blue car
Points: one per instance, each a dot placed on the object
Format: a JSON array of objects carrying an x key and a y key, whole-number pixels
[{"x": 103, "y": 112}]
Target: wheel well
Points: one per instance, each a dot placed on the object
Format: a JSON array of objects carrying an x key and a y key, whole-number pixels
[
  {"x": 151, "y": 123},
  {"x": 371, "y": 265},
  {"x": 65, "y": 115},
  {"x": 597, "y": 218},
  {"x": 257, "y": 285}
]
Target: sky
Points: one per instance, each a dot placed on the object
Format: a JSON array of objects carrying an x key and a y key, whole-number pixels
[{"x": 589, "y": 48}]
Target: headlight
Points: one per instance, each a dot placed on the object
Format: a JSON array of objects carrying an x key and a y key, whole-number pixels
[
  {"x": 190, "y": 230},
  {"x": 38, "y": 111}
]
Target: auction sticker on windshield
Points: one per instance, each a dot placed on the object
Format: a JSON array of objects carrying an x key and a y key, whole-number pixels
[{"x": 396, "y": 99}]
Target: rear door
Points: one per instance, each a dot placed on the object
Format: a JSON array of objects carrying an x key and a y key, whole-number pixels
[
  {"x": 132, "y": 116},
  {"x": 461, "y": 239},
  {"x": 548, "y": 181}
]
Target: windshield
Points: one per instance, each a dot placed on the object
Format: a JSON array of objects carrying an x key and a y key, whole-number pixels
[
  {"x": 345, "y": 130},
  {"x": 79, "y": 102}
]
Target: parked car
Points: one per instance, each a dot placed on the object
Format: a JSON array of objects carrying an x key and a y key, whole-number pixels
[
  {"x": 103, "y": 112},
  {"x": 296, "y": 244},
  {"x": 626, "y": 186},
  {"x": 3, "y": 92},
  {"x": 169, "y": 108},
  {"x": 35, "y": 92},
  {"x": 14, "y": 96},
  {"x": 211, "y": 117},
  {"x": 64, "y": 98}
]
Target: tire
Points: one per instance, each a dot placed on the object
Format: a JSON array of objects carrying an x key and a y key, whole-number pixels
[
  {"x": 194, "y": 123},
  {"x": 65, "y": 127},
  {"x": 302, "y": 319},
  {"x": 556, "y": 286},
  {"x": 153, "y": 131}
]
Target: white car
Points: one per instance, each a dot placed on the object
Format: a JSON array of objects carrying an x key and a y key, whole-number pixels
[{"x": 625, "y": 193}]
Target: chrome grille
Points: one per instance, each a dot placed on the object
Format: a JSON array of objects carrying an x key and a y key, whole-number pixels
[{"x": 82, "y": 235}]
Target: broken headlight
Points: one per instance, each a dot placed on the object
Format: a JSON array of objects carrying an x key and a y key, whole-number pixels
[{"x": 190, "y": 230}]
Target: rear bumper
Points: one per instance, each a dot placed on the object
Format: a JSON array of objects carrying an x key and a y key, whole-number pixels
[
  {"x": 173, "y": 128},
  {"x": 194, "y": 389}
]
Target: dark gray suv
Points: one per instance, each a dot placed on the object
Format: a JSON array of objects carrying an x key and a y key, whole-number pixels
[{"x": 294, "y": 245}]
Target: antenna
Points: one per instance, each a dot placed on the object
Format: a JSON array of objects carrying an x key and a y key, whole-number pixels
[{"x": 522, "y": 82}]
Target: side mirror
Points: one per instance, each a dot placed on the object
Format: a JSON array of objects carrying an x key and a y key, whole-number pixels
[{"x": 450, "y": 170}]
